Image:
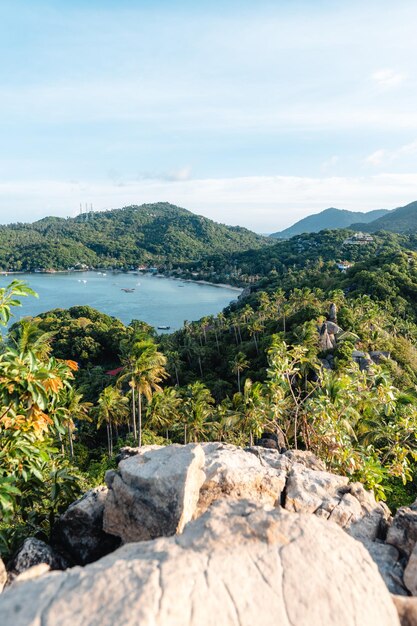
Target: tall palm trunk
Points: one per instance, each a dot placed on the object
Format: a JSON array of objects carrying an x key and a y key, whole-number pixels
[
  {"x": 139, "y": 418},
  {"x": 238, "y": 380},
  {"x": 71, "y": 446},
  {"x": 134, "y": 413}
]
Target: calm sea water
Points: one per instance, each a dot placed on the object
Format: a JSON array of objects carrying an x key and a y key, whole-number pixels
[{"x": 156, "y": 300}]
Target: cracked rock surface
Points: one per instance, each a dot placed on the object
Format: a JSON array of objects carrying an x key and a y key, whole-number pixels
[{"x": 238, "y": 564}]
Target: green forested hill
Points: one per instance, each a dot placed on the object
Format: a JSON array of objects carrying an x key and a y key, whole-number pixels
[
  {"x": 151, "y": 233},
  {"x": 330, "y": 219},
  {"x": 401, "y": 220}
]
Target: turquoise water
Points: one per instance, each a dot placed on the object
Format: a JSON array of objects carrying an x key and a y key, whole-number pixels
[{"x": 156, "y": 300}]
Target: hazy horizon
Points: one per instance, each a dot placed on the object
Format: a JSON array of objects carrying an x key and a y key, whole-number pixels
[{"x": 256, "y": 115}]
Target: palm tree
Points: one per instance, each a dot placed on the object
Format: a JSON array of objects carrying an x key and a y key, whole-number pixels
[
  {"x": 163, "y": 410},
  {"x": 239, "y": 364},
  {"x": 254, "y": 329},
  {"x": 27, "y": 336},
  {"x": 76, "y": 410},
  {"x": 250, "y": 408},
  {"x": 174, "y": 362},
  {"x": 147, "y": 371},
  {"x": 196, "y": 411},
  {"x": 112, "y": 409}
]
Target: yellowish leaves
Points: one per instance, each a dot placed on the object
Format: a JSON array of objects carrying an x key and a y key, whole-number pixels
[
  {"x": 53, "y": 384},
  {"x": 73, "y": 365}
]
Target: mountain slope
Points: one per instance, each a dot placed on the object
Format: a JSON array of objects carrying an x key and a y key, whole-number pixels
[
  {"x": 155, "y": 233},
  {"x": 329, "y": 218},
  {"x": 401, "y": 220}
]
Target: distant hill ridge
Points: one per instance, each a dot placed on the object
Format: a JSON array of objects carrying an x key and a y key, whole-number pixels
[
  {"x": 329, "y": 218},
  {"x": 401, "y": 220},
  {"x": 150, "y": 233}
]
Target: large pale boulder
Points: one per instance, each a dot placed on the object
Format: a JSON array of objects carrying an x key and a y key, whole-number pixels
[
  {"x": 232, "y": 473},
  {"x": 79, "y": 531},
  {"x": 154, "y": 493},
  {"x": 237, "y": 565}
]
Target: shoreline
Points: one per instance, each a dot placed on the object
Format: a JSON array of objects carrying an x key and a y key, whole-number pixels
[
  {"x": 207, "y": 282},
  {"x": 184, "y": 280}
]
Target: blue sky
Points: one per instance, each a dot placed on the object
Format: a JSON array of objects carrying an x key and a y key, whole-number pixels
[{"x": 250, "y": 113}]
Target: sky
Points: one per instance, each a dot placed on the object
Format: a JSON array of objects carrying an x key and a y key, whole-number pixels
[{"x": 250, "y": 113}]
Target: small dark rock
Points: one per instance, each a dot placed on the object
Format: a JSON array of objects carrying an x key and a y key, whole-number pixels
[
  {"x": 32, "y": 552},
  {"x": 79, "y": 531}
]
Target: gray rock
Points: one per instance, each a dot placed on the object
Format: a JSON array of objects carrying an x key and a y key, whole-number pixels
[
  {"x": 154, "y": 493},
  {"x": 238, "y": 564},
  {"x": 128, "y": 451},
  {"x": 33, "y": 552},
  {"x": 390, "y": 565},
  {"x": 410, "y": 573},
  {"x": 403, "y": 531},
  {"x": 79, "y": 531},
  {"x": 334, "y": 498}
]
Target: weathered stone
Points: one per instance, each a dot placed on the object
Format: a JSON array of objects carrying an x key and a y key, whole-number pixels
[
  {"x": 3, "y": 575},
  {"x": 285, "y": 460},
  {"x": 407, "y": 610},
  {"x": 32, "y": 552},
  {"x": 33, "y": 572},
  {"x": 232, "y": 473},
  {"x": 390, "y": 565},
  {"x": 410, "y": 573},
  {"x": 236, "y": 565},
  {"x": 334, "y": 498},
  {"x": 128, "y": 451},
  {"x": 403, "y": 531},
  {"x": 307, "y": 490},
  {"x": 79, "y": 531},
  {"x": 154, "y": 493}
]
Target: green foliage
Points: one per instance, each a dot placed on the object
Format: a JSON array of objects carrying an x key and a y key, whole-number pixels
[{"x": 152, "y": 233}]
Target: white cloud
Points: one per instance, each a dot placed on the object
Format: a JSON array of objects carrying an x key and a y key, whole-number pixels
[
  {"x": 388, "y": 77},
  {"x": 376, "y": 158},
  {"x": 382, "y": 157},
  {"x": 262, "y": 203}
]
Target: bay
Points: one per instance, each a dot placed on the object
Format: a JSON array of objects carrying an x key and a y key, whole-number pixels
[{"x": 159, "y": 301}]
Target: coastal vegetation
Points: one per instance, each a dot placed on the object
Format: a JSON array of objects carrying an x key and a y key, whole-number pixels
[
  {"x": 321, "y": 359},
  {"x": 122, "y": 238}
]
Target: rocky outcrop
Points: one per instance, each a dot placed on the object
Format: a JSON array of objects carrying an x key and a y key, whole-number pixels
[
  {"x": 331, "y": 496},
  {"x": 136, "y": 507},
  {"x": 390, "y": 565},
  {"x": 403, "y": 531},
  {"x": 79, "y": 533},
  {"x": 238, "y": 564},
  {"x": 34, "y": 552},
  {"x": 403, "y": 535},
  {"x": 234, "y": 474},
  {"x": 154, "y": 493}
]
